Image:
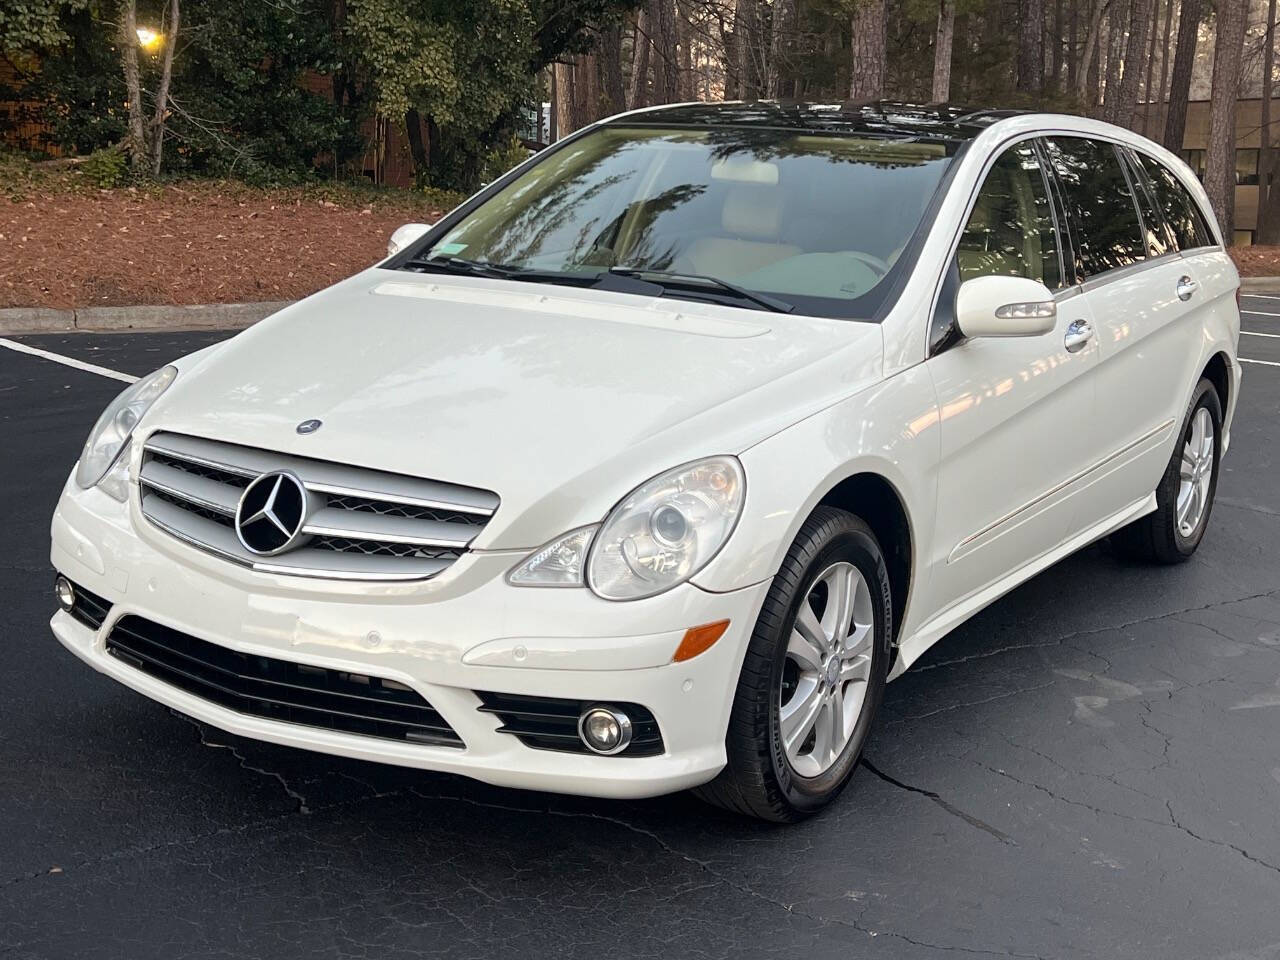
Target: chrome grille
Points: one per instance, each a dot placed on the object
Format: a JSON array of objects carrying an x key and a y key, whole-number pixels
[{"x": 365, "y": 524}]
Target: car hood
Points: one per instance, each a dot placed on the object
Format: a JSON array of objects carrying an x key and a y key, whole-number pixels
[{"x": 560, "y": 400}]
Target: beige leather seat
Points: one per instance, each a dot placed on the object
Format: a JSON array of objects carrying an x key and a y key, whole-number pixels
[{"x": 751, "y": 219}]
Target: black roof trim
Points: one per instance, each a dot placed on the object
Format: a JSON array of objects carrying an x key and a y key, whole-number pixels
[{"x": 942, "y": 121}]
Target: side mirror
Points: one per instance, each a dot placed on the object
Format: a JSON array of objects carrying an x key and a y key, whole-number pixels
[
  {"x": 1005, "y": 307},
  {"x": 405, "y": 235}
]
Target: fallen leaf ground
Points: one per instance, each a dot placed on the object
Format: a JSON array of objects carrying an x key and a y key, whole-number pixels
[{"x": 197, "y": 242}]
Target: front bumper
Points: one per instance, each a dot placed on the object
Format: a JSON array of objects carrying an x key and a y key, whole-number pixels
[{"x": 462, "y": 632}]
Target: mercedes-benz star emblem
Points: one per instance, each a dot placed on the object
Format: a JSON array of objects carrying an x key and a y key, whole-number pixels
[
  {"x": 309, "y": 426},
  {"x": 271, "y": 513}
]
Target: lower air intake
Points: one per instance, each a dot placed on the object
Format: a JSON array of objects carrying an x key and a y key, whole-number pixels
[
  {"x": 547, "y": 723},
  {"x": 280, "y": 689}
]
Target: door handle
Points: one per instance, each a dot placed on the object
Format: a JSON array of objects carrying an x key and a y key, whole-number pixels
[
  {"x": 1186, "y": 287},
  {"x": 1079, "y": 333}
]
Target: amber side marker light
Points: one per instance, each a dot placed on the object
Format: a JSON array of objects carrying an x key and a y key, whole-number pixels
[{"x": 699, "y": 639}]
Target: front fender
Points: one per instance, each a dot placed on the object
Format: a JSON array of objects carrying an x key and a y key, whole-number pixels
[{"x": 889, "y": 429}]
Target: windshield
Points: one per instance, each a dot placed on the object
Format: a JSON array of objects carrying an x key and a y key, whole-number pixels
[{"x": 817, "y": 222}]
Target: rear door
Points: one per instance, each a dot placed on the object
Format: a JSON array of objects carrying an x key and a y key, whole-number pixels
[{"x": 1133, "y": 282}]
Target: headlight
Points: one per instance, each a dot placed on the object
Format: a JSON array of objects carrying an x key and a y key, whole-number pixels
[
  {"x": 666, "y": 530},
  {"x": 559, "y": 563},
  {"x": 112, "y": 431}
]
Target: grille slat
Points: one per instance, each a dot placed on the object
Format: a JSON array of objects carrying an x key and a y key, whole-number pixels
[
  {"x": 279, "y": 689},
  {"x": 548, "y": 723},
  {"x": 369, "y": 524}
]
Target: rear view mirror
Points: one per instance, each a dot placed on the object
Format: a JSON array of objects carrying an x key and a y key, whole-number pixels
[
  {"x": 405, "y": 235},
  {"x": 1005, "y": 307}
]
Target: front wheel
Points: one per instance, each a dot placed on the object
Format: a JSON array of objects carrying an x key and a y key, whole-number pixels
[
  {"x": 1184, "y": 498},
  {"x": 813, "y": 676}
]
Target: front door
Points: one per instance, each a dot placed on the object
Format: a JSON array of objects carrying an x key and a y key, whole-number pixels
[{"x": 1015, "y": 413}]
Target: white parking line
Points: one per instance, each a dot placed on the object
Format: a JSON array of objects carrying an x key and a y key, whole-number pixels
[
  {"x": 1254, "y": 333},
  {"x": 1259, "y": 296},
  {"x": 67, "y": 361},
  {"x": 1265, "y": 363},
  {"x": 1257, "y": 313}
]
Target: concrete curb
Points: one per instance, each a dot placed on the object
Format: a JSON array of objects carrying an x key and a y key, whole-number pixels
[
  {"x": 1260, "y": 284},
  {"x": 210, "y": 316}
]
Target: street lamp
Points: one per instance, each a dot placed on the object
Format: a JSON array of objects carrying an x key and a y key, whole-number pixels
[{"x": 148, "y": 39}]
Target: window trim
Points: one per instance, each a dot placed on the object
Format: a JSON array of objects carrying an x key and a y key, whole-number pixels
[
  {"x": 940, "y": 281},
  {"x": 1205, "y": 221}
]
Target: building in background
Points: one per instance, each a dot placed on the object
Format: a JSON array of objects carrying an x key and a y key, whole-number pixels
[{"x": 1196, "y": 139}]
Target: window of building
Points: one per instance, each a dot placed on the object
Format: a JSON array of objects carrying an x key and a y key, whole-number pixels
[
  {"x": 1179, "y": 209},
  {"x": 1247, "y": 167},
  {"x": 1195, "y": 160},
  {"x": 1105, "y": 224},
  {"x": 1011, "y": 231}
]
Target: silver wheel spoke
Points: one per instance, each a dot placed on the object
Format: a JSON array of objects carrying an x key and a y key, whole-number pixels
[
  {"x": 856, "y": 668},
  {"x": 1187, "y": 468},
  {"x": 839, "y": 609},
  {"x": 810, "y": 628},
  {"x": 799, "y": 716},
  {"x": 807, "y": 657}
]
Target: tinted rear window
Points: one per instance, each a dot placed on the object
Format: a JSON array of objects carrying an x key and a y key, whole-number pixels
[
  {"x": 1105, "y": 223},
  {"x": 1179, "y": 209}
]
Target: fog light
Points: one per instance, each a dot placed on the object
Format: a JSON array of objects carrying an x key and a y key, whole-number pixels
[
  {"x": 65, "y": 593},
  {"x": 605, "y": 730}
]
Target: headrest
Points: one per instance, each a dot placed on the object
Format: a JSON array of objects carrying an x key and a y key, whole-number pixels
[{"x": 752, "y": 211}]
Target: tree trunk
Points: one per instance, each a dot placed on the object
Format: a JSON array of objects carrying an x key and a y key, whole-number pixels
[
  {"x": 666, "y": 68},
  {"x": 1163, "y": 93},
  {"x": 746, "y": 31},
  {"x": 1055, "y": 46},
  {"x": 417, "y": 146},
  {"x": 1086, "y": 74},
  {"x": 1264, "y": 231},
  {"x": 1073, "y": 49},
  {"x": 162, "y": 90},
  {"x": 614, "y": 94},
  {"x": 1149, "y": 99},
  {"x": 866, "y": 81},
  {"x": 784, "y": 18},
  {"x": 1135, "y": 48},
  {"x": 1220, "y": 156},
  {"x": 1184, "y": 58},
  {"x": 1116, "y": 19},
  {"x": 942, "y": 44},
  {"x": 136, "y": 140},
  {"x": 638, "y": 96},
  {"x": 684, "y": 34},
  {"x": 1031, "y": 46}
]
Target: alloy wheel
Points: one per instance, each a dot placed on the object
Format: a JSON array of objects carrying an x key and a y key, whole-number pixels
[
  {"x": 1195, "y": 473},
  {"x": 827, "y": 668}
]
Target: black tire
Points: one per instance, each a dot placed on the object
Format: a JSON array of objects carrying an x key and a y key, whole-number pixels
[
  {"x": 1156, "y": 538},
  {"x": 758, "y": 780}
]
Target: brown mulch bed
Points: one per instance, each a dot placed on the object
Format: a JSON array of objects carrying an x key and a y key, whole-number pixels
[
  {"x": 63, "y": 245},
  {"x": 1257, "y": 261}
]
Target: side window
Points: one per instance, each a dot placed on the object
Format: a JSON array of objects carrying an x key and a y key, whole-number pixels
[
  {"x": 1159, "y": 240},
  {"x": 1105, "y": 224},
  {"x": 1011, "y": 231},
  {"x": 1179, "y": 209}
]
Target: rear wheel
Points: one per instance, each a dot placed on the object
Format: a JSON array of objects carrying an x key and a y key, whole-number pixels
[
  {"x": 813, "y": 676},
  {"x": 1184, "y": 498}
]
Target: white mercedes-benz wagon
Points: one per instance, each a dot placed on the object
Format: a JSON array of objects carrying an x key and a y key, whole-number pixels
[{"x": 647, "y": 467}]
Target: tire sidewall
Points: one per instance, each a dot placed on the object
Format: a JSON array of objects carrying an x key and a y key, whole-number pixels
[
  {"x": 858, "y": 547},
  {"x": 1205, "y": 397}
]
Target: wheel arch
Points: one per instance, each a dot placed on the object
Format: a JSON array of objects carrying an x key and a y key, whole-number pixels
[
  {"x": 875, "y": 499},
  {"x": 1218, "y": 372}
]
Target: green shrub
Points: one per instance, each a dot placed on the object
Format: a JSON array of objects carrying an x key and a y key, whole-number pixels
[{"x": 106, "y": 168}]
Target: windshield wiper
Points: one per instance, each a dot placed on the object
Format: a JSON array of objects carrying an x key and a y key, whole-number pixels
[
  {"x": 499, "y": 271},
  {"x": 665, "y": 278}
]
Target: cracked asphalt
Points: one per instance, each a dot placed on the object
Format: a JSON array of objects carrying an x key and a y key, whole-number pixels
[{"x": 1089, "y": 768}]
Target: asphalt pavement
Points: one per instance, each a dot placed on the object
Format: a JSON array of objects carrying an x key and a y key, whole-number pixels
[{"x": 1089, "y": 768}]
